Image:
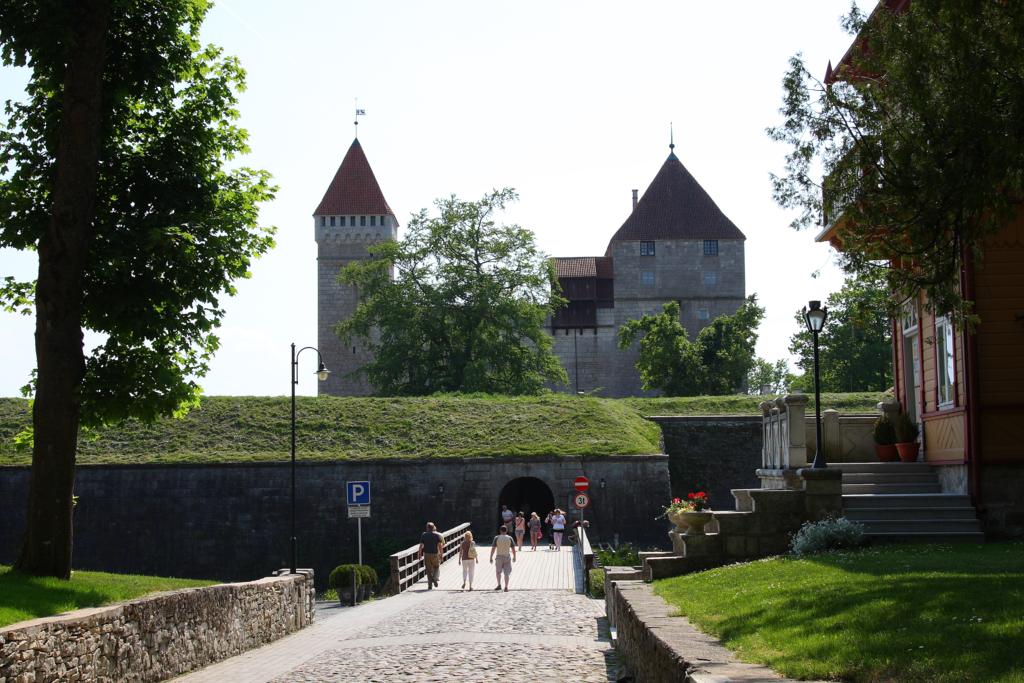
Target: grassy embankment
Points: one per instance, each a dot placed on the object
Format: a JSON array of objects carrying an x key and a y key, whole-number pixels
[
  {"x": 25, "y": 597},
  {"x": 898, "y": 613},
  {"x": 250, "y": 429}
]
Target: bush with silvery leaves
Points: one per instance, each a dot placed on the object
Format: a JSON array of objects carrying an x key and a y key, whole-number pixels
[{"x": 828, "y": 534}]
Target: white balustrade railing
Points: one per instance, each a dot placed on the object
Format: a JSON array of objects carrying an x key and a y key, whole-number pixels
[{"x": 784, "y": 438}]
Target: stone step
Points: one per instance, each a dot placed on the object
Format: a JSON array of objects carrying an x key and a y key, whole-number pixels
[
  {"x": 887, "y": 467},
  {"x": 930, "y": 526},
  {"x": 933, "y": 487},
  {"x": 871, "y": 514},
  {"x": 913, "y": 477},
  {"x": 908, "y": 537},
  {"x": 906, "y": 500}
]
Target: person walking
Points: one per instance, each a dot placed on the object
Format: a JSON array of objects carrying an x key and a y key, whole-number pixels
[
  {"x": 431, "y": 549},
  {"x": 557, "y": 528},
  {"x": 535, "y": 530},
  {"x": 504, "y": 548},
  {"x": 468, "y": 559},
  {"x": 520, "y": 530},
  {"x": 507, "y": 516}
]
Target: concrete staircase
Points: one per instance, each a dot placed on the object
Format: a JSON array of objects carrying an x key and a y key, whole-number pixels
[{"x": 903, "y": 502}]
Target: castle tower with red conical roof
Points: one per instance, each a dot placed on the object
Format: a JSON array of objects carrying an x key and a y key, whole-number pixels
[{"x": 352, "y": 216}]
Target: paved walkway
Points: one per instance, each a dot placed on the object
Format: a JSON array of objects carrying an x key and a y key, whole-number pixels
[
  {"x": 539, "y": 630},
  {"x": 542, "y": 569}
]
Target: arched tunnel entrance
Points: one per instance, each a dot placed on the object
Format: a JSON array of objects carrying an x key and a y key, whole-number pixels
[{"x": 526, "y": 494}]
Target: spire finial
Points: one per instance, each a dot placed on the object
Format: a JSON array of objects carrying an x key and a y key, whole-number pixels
[
  {"x": 671, "y": 138},
  {"x": 359, "y": 112}
]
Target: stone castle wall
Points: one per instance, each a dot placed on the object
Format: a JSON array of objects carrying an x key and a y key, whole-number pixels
[
  {"x": 712, "y": 453},
  {"x": 232, "y": 522},
  {"x": 678, "y": 267},
  {"x": 157, "y": 637}
]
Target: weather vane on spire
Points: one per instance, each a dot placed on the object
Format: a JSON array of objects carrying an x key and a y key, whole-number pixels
[{"x": 359, "y": 112}]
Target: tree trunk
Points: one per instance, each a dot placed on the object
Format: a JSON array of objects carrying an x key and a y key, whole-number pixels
[{"x": 63, "y": 253}]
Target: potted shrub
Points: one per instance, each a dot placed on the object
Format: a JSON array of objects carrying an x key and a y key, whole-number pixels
[
  {"x": 885, "y": 440},
  {"x": 341, "y": 581},
  {"x": 906, "y": 438}
]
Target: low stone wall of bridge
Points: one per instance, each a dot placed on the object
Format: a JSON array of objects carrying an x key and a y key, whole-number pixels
[
  {"x": 158, "y": 637},
  {"x": 231, "y": 522}
]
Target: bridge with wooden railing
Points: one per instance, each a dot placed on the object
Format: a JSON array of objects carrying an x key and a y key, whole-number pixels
[{"x": 542, "y": 569}]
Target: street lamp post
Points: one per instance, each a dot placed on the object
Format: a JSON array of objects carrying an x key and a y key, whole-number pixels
[
  {"x": 321, "y": 373},
  {"x": 815, "y": 316}
]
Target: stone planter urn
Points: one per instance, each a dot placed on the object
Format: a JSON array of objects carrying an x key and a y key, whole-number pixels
[
  {"x": 680, "y": 522},
  {"x": 697, "y": 521}
]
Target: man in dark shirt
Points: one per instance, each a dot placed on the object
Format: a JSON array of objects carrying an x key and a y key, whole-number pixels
[{"x": 431, "y": 549}]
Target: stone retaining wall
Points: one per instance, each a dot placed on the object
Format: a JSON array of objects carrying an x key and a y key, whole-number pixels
[
  {"x": 658, "y": 646},
  {"x": 156, "y": 637},
  {"x": 712, "y": 453},
  {"x": 231, "y": 522}
]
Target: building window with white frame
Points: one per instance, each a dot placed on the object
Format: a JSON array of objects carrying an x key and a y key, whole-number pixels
[
  {"x": 946, "y": 361},
  {"x": 647, "y": 248}
]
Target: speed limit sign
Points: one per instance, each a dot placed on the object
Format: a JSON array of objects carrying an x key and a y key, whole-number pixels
[{"x": 581, "y": 500}]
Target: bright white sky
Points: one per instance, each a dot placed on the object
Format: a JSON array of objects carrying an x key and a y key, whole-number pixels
[{"x": 567, "y": 102}]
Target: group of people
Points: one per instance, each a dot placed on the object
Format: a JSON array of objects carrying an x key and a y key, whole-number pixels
[
  {"x": 520, "y": 525},
  {"x": 503, "y": 548}
]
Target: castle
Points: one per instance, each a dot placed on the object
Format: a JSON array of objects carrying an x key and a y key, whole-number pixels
[{"x": 675, "y": 245}]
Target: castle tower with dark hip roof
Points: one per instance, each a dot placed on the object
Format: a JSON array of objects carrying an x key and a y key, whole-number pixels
[
  {"x": 676, "y": 245},
  {"x": 352, "y": 216}
]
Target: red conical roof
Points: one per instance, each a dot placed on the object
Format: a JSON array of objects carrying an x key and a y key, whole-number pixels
[
  {"x": 354, "y": 190},
  {"x": 675, "y": 206}
]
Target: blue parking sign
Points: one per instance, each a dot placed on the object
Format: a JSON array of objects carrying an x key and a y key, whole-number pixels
[{"x": 357, "y": 492}]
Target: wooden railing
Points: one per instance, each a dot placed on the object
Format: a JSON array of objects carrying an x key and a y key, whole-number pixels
[
  {"x": 584, "y": 555},
  {"x": 407, "y": 566}
]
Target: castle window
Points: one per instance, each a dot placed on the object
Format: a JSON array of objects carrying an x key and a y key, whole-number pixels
[
  {"x": 352, "y": 221},
  {"x": 382, "y": 221},
  {"x": 332, "y": 221},
  {"x": 647, "y": 278},
  {"x": 373, "y": 221},
  {"x": 362, "y": 221},
  {"x": 711, "y": 247},
  {"x": 323, "y": 221},
  {"x": 703, "y": 314},
  {"x": 711, "y": 278},
  {"x": 647, "y": 248}
]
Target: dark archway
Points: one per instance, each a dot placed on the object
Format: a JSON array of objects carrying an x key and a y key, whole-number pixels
[{"x": 526, "y": 494}]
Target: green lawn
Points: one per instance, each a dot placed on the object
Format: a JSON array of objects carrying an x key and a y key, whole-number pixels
[
  {"x": 24, "y": 597},
  {"x": 898, "y": 613},
  {"x": 254, "y": 428}
]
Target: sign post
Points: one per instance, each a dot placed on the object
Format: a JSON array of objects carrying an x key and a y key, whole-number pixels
[
  {"x": 581, "y": 484},
  {"x": 357, "y": 496}
]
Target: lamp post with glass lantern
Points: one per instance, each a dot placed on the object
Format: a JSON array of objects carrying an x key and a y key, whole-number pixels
[
  {"x": 321, "y": 373},
  {"x": 815, "y": 316}
]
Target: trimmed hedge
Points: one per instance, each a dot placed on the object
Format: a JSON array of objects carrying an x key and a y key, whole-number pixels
[{"x": 341, "y": 576}]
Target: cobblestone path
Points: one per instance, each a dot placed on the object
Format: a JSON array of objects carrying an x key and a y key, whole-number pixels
[
  {"x": 531, "y": 633},
  {"x": 478, "y": 636}
]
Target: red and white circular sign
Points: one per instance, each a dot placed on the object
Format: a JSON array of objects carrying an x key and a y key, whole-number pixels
[
  {"x": 581, "y": 483},
  {"x": 581, "y": 500}
]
